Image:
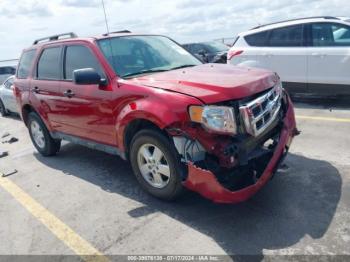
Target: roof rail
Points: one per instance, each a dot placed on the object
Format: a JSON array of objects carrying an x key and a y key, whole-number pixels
[
  {"x": 296, "y": 19},
  {"x": 117, "y": 32},
  {"x": 55, "y": 37}
]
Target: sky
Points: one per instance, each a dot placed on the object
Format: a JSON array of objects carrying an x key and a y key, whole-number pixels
[{"x": 22, "y": 21}]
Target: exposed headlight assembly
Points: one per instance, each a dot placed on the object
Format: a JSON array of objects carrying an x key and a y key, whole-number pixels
[{"x": 219, "y": 119}]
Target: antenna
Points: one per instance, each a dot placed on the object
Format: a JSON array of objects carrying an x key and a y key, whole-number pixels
[{"x": 104, "y": 11}]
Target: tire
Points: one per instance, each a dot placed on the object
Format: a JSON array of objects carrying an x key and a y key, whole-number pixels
[
  {"x": 145, "y": 140},
  {"x": 45, "y": 144},
  {"x": 3, "y": 110}
]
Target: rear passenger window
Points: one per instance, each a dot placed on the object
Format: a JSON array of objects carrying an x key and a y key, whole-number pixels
[
  {"x": 49, "y": 64},
  {"x": 25, "y": 64},
  {"x": 79, "y": 57},
  {"x": 286, "y": 36},
  {"x": 258, "y": 39}
]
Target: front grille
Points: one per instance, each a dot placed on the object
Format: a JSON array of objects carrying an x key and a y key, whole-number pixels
[{"x": 259, "y": 113}]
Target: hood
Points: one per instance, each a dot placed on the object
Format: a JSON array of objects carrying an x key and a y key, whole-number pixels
[{"x": 211, "y": 83}]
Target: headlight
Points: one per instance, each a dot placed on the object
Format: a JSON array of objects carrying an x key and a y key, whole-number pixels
[{"x": 219, "y": 119}]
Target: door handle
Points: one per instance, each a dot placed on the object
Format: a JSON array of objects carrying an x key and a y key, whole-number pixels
[
  {"x": 267, "y": 54},
  {"x": 69, "y": 93},
  {"x": 36, "y": 90},
  {"x": 318, "y": 54}
]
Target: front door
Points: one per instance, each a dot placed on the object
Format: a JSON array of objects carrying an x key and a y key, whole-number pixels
[
  {"x": 329, "y": 58},
  {"x": 86, "y": 110}
]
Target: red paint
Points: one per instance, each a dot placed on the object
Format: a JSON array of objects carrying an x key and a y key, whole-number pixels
[
  {"x": 102, "y": 114},
  {"x": 205, "y": 183}
]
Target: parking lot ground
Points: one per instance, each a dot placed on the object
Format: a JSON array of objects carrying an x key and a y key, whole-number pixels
[{"x": 305, "y": 209}]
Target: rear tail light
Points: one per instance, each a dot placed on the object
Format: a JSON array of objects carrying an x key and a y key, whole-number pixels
[{"x": 232, "y": 53}]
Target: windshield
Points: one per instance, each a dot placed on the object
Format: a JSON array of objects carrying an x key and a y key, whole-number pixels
[
  {"x": 131, "y": 56},
  {"x": 216, "y": 47}
]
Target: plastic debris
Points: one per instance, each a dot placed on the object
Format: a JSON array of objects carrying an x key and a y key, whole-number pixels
[
  {"x": 14, "y": 171},
  {"x": 5, "y": 135},
  {"x": 11, "y": 140},
  {"x": 3, "y": 154}
]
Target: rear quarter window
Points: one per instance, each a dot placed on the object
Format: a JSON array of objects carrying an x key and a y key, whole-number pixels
[
  {"x": 25, "y": 64},
  {"x": 257, "y": 39}
]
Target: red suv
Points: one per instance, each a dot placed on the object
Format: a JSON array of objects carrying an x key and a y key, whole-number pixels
[{"x": 219, "y": 130}]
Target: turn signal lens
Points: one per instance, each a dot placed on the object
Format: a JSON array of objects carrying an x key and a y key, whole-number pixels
[{"x": 196, "y": 113}]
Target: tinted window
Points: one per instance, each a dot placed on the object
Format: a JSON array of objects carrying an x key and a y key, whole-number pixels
[
  {"x": 196, "y": 48},
  {"x": 7, "y": 70},
  {"x": 49, "y": 64},
  {"x": 286, "y": 36},
  {"x": 78, "y": 57},
  {"x": 327, "y": 34},
  {"x": 258, "y": 39},
  {"x": 25, "y": 64},
  {"x": 215, "y": 47}
]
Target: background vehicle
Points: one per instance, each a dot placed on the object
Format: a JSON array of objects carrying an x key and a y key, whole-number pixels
[
  {"x": 5, "y": 72},
  {"x": 146, "y": 99},
  {"x": 311, "y": 55},
  {"x": 209, "y": 52},
  {"x": 7, "y": 98}
]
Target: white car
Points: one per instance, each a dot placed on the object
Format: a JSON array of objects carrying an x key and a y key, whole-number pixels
[
  {"x": 7, "y": 98},
  {"x": 311, "y": 55}
]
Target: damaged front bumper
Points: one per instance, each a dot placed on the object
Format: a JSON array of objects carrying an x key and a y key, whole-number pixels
[{"x": 206, "y": 183}]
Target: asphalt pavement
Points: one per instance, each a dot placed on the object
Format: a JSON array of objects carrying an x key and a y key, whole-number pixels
[{"x": 86, "y": 201}]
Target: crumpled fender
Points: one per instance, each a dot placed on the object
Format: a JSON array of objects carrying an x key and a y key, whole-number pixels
[{"x": 205, "y": 183}]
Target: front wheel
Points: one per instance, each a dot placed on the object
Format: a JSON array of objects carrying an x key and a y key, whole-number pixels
[
  {"x": 40, "y": 136},
  {"x": 156, "y": 164}
]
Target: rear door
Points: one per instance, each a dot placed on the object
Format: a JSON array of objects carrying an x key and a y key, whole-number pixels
[
  {"x": 286, "y": 54},
  {"x": 46, "y": 83},
  {"x": 86, "y": 110},
  {"x": 329, "y": 58}
]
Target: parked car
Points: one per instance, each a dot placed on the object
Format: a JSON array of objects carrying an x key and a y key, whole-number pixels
[
  {"x": 209, "y": 52},
  {"x": 216, "y": 129},
  {"x": 7, "y": 99},
  {"x": 5, "y": 72},
  {"x": 311, "y": 55}
]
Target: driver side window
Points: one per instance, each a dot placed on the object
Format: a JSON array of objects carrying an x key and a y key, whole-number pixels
[
  {"x": 330, "y": 34},
  {"x": 78, "y": 57}
]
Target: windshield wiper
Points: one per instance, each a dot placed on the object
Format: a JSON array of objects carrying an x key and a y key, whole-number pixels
[
  {"x": 179, "y": 67},
  {"x": 145, "y": 72},
  {"x": 148, "y": 71}
]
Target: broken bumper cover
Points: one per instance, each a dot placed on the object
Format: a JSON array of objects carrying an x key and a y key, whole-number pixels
[{"x": 205, "y": 183}]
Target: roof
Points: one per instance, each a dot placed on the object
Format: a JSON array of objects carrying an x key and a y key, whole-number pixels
[
  {"x": 296, "y": 21},
  {"x": 73, "y": 38}
]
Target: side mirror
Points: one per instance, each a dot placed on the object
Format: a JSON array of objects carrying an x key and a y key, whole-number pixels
[{"x": 87, "y": 76}]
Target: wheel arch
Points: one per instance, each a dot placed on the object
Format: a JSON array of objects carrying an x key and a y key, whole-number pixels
[
  {"x": 136, "y": 125},
  {"x": 26, "y": 110}
]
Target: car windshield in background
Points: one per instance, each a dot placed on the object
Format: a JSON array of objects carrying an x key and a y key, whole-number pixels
[
  {"x": 216, "y": 47},
  {"x": 5, "y": 72},
  {"x": 132, "y": 56}
]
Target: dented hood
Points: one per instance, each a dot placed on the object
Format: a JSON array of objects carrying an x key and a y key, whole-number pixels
[{"x": 212, "y": 83}]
